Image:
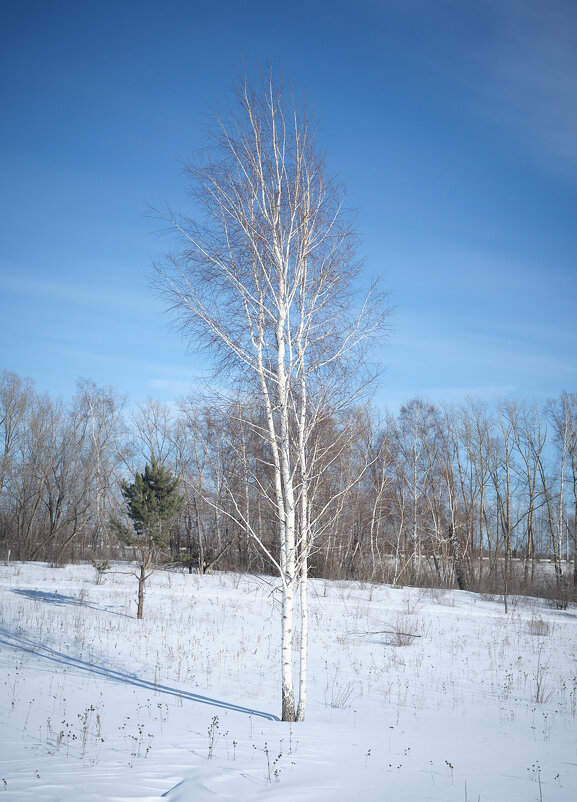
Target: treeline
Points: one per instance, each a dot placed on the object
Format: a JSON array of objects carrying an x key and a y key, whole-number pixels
[{"x": 477, "y": 496}]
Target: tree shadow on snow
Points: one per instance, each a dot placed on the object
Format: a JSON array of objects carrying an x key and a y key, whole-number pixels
[
  {"x": 62, "y": 600},
  {"x": 20, "y": 642}
]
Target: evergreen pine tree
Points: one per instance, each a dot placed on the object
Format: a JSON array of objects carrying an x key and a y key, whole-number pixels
[{"x": 152, "y": 501}]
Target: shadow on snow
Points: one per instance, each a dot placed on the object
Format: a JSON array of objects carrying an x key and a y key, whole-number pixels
[
  {"x": 22, "y": 643},
  {"x": 61, "y": 600}
]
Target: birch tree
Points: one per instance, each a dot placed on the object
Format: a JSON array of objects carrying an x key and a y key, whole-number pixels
[
  {"x": 264, "y": 277},
  {"x": 562, "y": 413}
]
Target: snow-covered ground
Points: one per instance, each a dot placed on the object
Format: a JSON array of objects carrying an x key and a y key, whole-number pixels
[{"x": 95, "y": 705}]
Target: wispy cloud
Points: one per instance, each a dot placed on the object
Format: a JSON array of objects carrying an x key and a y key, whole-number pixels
[
  {"x": 394, "y": 399},
  {"x": 173, "y": 386},
  {"x": 529, "y": 76},
  {"x": 481, "y": 351},
  {"x": 75, "y": 291}
]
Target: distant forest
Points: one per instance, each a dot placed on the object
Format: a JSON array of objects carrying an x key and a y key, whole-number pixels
[{"x": 477, "y": 496}]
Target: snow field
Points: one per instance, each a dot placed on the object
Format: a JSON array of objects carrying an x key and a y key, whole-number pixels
[{"x": 413, "y": 694}]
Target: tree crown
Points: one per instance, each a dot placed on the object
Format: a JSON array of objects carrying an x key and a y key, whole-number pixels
[{"x": 152, "y": 501}]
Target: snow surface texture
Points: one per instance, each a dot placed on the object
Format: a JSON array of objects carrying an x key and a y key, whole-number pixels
[{"x": 414, "y": 695}]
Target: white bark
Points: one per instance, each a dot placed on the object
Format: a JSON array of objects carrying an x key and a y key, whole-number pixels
[{"x": 303, "y": 658}]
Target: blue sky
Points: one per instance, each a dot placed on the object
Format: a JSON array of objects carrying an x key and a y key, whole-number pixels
[{"x": 452, "y": 124}]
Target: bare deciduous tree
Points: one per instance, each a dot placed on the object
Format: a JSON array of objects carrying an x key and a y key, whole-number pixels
[
  {"x": 265, "y": 279},
  {"x": 562, "y": 413}
]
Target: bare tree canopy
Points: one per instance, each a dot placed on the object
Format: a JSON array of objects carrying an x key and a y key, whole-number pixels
[
  {"x": 271, "y": 244},
  {"x": 477, "y": 494}
]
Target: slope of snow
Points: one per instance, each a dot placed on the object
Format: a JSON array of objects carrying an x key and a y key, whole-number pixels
[{"x": 414, "y": 695}]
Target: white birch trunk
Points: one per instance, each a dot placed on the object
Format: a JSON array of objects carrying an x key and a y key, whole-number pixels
[
  {"x": 303, "y": 661},
  {"x": 287, "y": 617}
]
